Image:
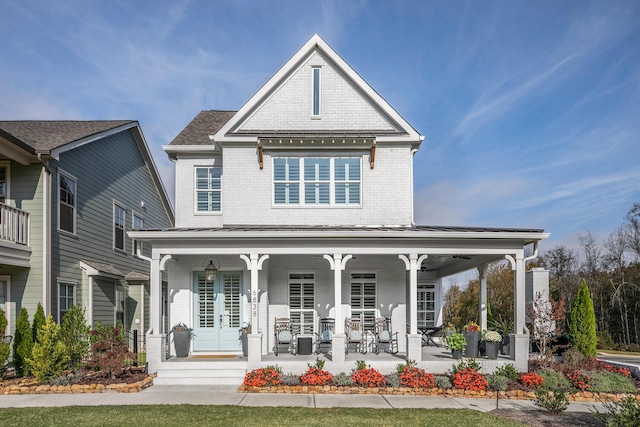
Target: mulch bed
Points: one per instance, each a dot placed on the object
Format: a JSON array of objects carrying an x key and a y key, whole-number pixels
[{"x": 541, "y": 418}]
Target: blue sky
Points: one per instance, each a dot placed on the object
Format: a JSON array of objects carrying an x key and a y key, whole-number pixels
[{"x": 530, "y": 109}]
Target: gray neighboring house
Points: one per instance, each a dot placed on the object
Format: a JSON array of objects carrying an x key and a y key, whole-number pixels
[{"x": 69, "y": 192}]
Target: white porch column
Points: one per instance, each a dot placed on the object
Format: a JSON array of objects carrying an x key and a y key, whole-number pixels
[
  {"x": 156, "y": 340},
  {"x": 414, "y": 339},
  {"x": 482, "y": 273},
  {"x": 337, "y": 263},
  {"x": 519, "y": 340},
  {"x": 254, "y": 265}
]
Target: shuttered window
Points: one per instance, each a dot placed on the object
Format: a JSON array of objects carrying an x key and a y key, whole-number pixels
[
  {"x": 363, "y": 299},
  {"x": 208, "y": 189},
  {"x": 302, "y": 303},
  {"x": 324, "y": 181}
]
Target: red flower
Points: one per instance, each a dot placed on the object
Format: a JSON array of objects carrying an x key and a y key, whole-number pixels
[
  {"x": 368, "y": 377},
  {"x": 531, "y": 379},
  {"x": 262, "y": 377},
  {"x": 469, "y": 379},
  {"x": 416, "y": 377},
  {"x": 316, "y": 376}
]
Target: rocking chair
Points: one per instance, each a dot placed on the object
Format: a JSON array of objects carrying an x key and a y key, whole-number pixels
[
  {"x": 355, "y": 336},
  {"x": 385, "y": 339},
  {"x": 324, "y": 341},
  {"x": 284, "y": 337}
]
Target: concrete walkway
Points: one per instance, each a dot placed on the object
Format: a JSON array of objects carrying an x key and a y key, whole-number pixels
[{"x": 228, "y": 395}]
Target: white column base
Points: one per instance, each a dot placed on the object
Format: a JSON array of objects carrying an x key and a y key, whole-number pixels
[
  {"x": 414, "y": 347},
  {"x": 338, "y": 348},
  {"x": 156, "y": 344},
  {"x": 254, "y": 350},
  {"x": 519, "y": 351}
]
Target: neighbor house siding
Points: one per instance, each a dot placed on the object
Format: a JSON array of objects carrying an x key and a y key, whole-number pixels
[
  {"x": 104, "y": 294},
  {"x": 108, "y": 170},
  {"x": 27, "y": 185}
]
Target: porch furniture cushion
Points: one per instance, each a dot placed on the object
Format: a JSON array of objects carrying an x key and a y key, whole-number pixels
[
  {"x": 384, "y": 336},
  {"x": 284, "y": 336},
  {"x": 326, "y": 335},
  {"x": 355, "y": 335}
]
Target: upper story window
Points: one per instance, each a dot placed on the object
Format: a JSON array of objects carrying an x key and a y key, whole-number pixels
[
  {"x": 118, "y": 226},
  {"x": 315, "y": 110},
  {"x": 4, "y": 183},
  {"x": 67, "y": 189},
  {"x": 208, "y": 189},
  {"x": 138, "y": 224},
  {"x": 324, "y": 181}
]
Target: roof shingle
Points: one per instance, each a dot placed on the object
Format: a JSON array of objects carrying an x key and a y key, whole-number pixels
[{"x": 206, "y": 123}]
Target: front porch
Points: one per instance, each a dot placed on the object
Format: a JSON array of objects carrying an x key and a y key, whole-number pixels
[{"x": 231, "y": 369}]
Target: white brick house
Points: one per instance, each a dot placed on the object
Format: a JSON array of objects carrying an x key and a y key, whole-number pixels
[{"x": 304, "y": 197}]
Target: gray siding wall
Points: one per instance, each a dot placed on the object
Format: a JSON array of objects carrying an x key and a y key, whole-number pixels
[
  {"x": 106, "y": 170},
  {"x": 26, "y": 193},
  {"x": 104, "y": 293}
]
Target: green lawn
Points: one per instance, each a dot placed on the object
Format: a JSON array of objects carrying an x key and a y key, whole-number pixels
[{"x": 188, "y": 415}]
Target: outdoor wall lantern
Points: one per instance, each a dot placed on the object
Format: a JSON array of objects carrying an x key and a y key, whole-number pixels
[{"x": 211, "y": 270}]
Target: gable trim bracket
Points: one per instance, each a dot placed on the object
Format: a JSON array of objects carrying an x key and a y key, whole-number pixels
[
  {"x": 372, "y": 156},
  {"x": 260, "y": 159}
]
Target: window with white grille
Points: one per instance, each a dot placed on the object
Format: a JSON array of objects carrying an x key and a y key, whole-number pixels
[
  {"x": 363, "y": 299},
  {"x": 302, "y": 302},
  {"x": 426, "y": 306}
]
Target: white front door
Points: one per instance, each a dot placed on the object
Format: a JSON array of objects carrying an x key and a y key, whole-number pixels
[{"x": 218, "y": 312}]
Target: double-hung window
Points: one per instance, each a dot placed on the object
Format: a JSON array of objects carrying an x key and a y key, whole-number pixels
[
  {"x": 67, "y": 203},
  {"x": 119, "y": 305},
  {"x": 66, "y": 299},
  {"x": 118, "y": 226},
  {"x": 301, "y": 302},
  {"x": 138, "y": 224},
  {"x": 324, "y": 181},
  {"x": 363, "y": 299},
  {"x": 208, "y": 189}
]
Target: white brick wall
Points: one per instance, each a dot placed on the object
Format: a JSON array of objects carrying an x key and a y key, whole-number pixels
[
  {"x": 342, "y": 106},
  {"x": 247, "y": 191}
]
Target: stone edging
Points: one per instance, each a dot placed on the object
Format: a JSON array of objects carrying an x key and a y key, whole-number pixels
[
  {"x": 76, "y": 388},
  {"x": 582, "y": 396}
]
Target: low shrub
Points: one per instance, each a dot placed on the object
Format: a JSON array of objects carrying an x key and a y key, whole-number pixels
[
  {"x": 48, "y": 354},
  {"x": 442, "y": 382},
  {"x": 368, "y": 377},
  {"x": 466, "y": 364},
  {"x": 416, "y": 377},
  {"x": 553, "y": 379},
  {"x": 531, "y": 379},
  {"x": 400, "y": 367},
  {"x": 508, "y": 371},
  {"x": 608, "y": 382},
  {"x": 624, "y": 413},
  {"x": 342, "y": 379},
  {"x": 269, "y": 376},
  {"x": 109, "y": 349},
  {"x": 291, "y": 379},
  {"x": 469, "y": 379},
  {"x": 573, "y": 357},
  {"x": 605, "y": 341},
  {"x": 555, "y": 401},
  {"x": 497, "y": 382},
  {"x": 392, "y": 380},
  {"x": 316, "y": 376}
]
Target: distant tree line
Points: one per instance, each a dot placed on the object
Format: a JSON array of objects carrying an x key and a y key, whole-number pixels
[{"x": 611, "y": 269}]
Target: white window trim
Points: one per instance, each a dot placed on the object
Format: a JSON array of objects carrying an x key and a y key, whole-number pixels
[
  {"x": 135, "y": 214},
  {"x": 429, "y": 286},
  {"x": 115, "y": 306},
  {"x": 301, "y": 183},
  {"x": 376, "y": 311},
  {"x": 303, "y": 310},
  {"x": 313, "y": 115},
  {"x": 75, "y": 205},
  {"x": 74, "y": 287},
  {"x": 6, "y": 164},
  {"x": 195, "y": 191},
  {"x": 124, "y": 226}
]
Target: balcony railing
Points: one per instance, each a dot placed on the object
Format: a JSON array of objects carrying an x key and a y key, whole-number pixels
[{"x": 14, "y": 225}]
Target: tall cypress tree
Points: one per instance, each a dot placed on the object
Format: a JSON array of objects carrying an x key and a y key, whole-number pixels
[
  {"x": 582, "y": 322},
  {"x": 22, "y": 343},
  {"x": 38, "y": 321}
]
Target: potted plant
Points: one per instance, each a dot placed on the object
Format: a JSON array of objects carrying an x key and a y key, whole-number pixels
[
  {"x": 457, "y": 343},
  {"x": 471, "y": 332},
  {"x": 181, "y": 339},
  {"x": 504, "y": 327},
  {"x": 492, "y": 340},
  {"x": 244, "y": 338}
]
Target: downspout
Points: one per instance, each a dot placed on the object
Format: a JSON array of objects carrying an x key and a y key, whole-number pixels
[
  {"x": 535, "y": 253},
  {"x": 413, "y": 207},
  {"x": 139, "y": 255},
  {"x": 46, "y": 235}
]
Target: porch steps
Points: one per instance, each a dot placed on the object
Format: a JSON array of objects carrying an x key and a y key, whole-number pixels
[{"x": 201, "y": 373}]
